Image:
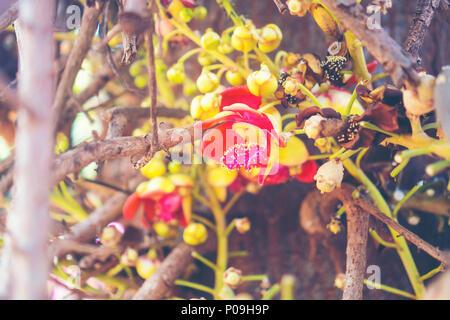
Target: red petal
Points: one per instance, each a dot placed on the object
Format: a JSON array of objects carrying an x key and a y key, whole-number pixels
[
  {"x": 131, "y": 206},
  {"x": 309, "y": 170},
  {"x": 239, "y": 94},
  {"x": 149, "y": 212},
  {"x": 278, "y": 174}
]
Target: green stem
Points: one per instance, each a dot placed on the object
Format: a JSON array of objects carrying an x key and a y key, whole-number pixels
[
  {"x": 254, "y": 277},
  {"x": 403, "y": 249},
  {"x": 205, "y": 221},
  {"x": 222, "y": 240},
  {"x": 404, "y": 199},
  {"x": 430, "y": 274},
  {"x": 399, "y": 168},
  {"x": 195, "y": 286},
  {"x": 390, "y": 289},
  {"x": 437, "y": 167},
  {"x": 373, "y": 127},
  {"x": 380, "y": 240},
  {"x": 271, "y": 292},
  {"x": 205, "y": 261},
  {"x": 234, "y": 254},
  {"x": 189, "y": 54},
  {"x": 350, "y": 104},
  {"x": 310, "y": 95},
  {"x": 230, "y": 227}
]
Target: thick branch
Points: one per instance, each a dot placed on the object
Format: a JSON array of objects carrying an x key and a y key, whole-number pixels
[
  {"x": 357, "y": 231},
  {"x": 418, "y": 27},
  {"x": 24, "y": 258},
  {"x": 76, "y": 159},
  {"x": 385, "y": 49},
  {"x": 155, "y": 287}
]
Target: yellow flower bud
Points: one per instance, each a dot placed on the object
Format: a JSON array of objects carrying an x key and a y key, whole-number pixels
[
  {"x": 262, "y": 82},
  {"x": 158, "y": 184},
  {"x": 176, "y": 73},
  {"x": 210, "y": 40},
  {"x": 334, "y": 226},
  {"x": 145, "y": 266},
  {"x": 200, "y": 12},
  {"x": 242, "y": 225},
  {"x": 195, "y": 234},
  {"x": 270, "y": 38},
  {"x": 196, "y": 107},
  {"x": 154, "y": 168},
  {"x": 62, "y": 143},
  {"x": 129, "y": 257},
  {"x": 232, "y": 277},
  {"x": 162, "y": 229},
  {"x": 329, "y": 176},
  {"x": 207, "y": 82},
  {"x": 339, "y": 281},
  {"x": 243, "y": 39},
  {"x": 235, "y": 78},
  {"x": 221, "y": 193},
  {"x": 210, "y": 101}
]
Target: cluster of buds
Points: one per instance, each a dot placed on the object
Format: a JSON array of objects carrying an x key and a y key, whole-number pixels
[
  {"x": 205, "y": 106},
  {"x": 176, "y": 73},
  {"x": 129, "y": 257}
]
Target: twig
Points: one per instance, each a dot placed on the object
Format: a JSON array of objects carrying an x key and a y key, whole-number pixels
[
  {"x": 385, "y": 49},
  {"x": 81, "y": 47},
  {"x": 152, "y": 87},
  {"x": 442, "y": 256},
  {"x": 282, "y": 8},
  {"x": 418, "y": 27}
]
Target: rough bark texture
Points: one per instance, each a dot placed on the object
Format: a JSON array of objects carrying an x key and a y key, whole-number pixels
[
  {"x": 419, "y": 25},
  {"x": 24, "y": 259}
]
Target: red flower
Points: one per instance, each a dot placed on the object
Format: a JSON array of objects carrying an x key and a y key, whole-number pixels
[
  {"x": 156, "y": 204},
  {"x": 239, "y": 94},
  {"x": 371, "y": 67},
  {"x": 309, "y": 170},
  {"x": 240, "y": 137}
]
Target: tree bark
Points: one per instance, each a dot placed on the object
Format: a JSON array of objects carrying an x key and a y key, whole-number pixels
[{"x": 25, "y": 256}]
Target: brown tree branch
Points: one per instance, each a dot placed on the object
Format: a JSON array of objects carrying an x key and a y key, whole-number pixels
[
  {"x": 156, "y": 287},
  {"x": 385, "y": 49},
  {"x": 442, "y": 256},
  {"x": 418, "y": 27},
  {"x": 357, "y": 231},
  {"x": 79, "y": 51},
  {"x": 24, "y": 259}
]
